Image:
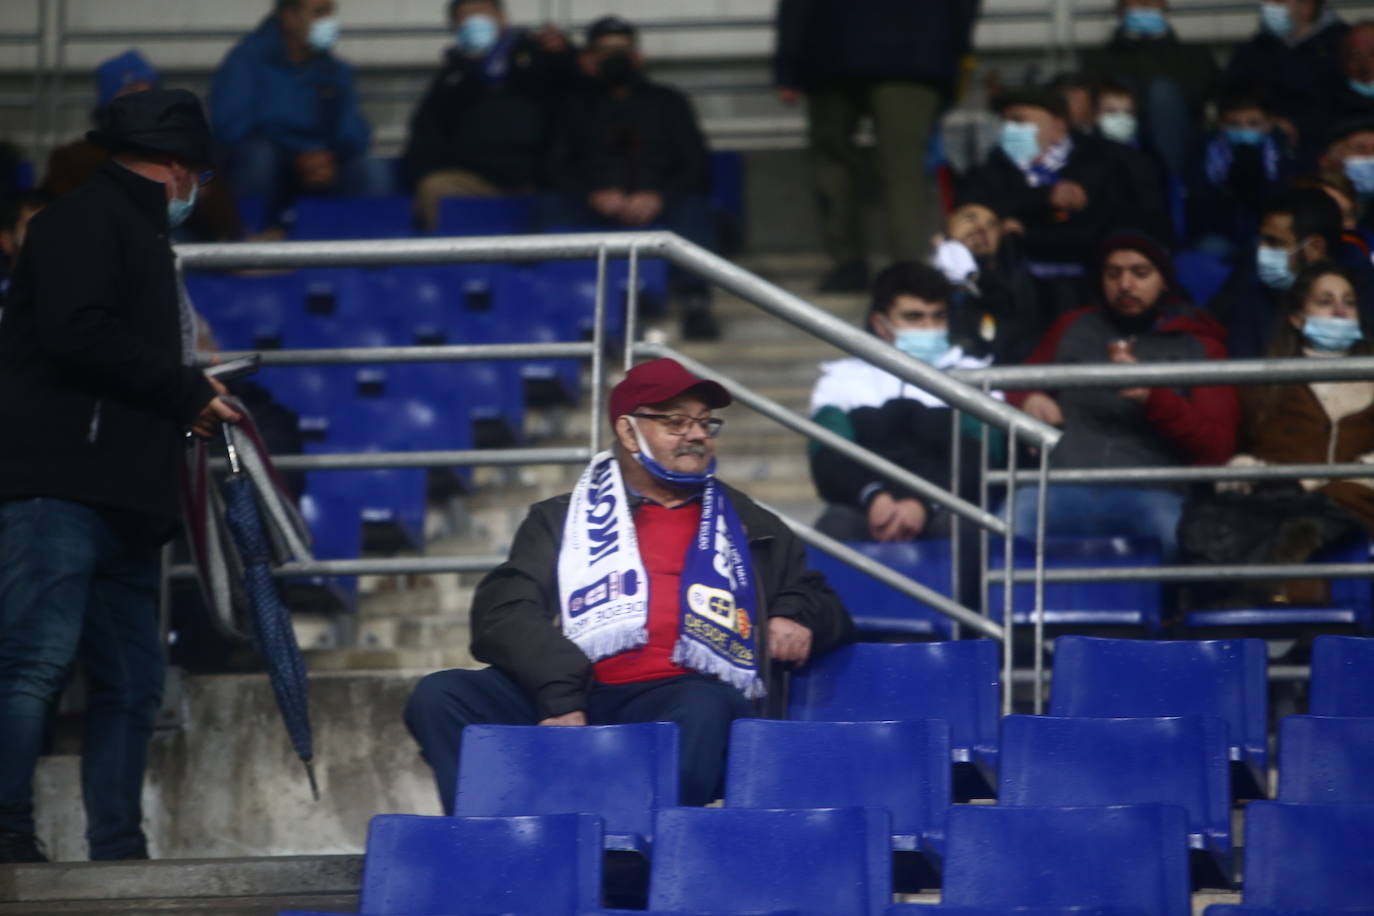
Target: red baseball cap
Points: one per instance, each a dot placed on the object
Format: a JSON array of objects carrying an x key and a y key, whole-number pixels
[{"x": 662, "y": 380}]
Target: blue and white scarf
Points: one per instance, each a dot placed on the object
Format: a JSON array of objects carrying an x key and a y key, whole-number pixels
[{"x": 603, "y": 589}]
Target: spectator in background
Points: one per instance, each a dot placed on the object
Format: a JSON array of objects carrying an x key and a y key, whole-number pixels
[
  {"x": 1357, "y": 66},
  {"x": 1338, "y": 186},
  {"x": 1295, "y": 59},
  {"x": 483, "y": 127},
  {"x": 895, "y": 420},
  {"x": 994, "y": 309},
  {"x": 628, "y": 153},
  {"x": 1144, "y": 316},
  {"x": 1077, "y": 90},
  {"x": 286, "y": 114},
  {"x": 895, "y": 61},
  {"x": 1248, "y": 161},
  {"x": 1171, "y": 81},
  {"x": 15, "y": 214},
  {"x": 1350, "y": 149}
]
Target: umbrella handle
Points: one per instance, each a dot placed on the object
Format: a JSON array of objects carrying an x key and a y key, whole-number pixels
[
  {"x": 229, "y": 447},
  {"x": 310, "y": 772}
]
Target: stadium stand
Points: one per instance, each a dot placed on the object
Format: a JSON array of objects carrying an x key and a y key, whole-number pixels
[
  {"x": 880, "y": 610},
  {"x": 1083, "y": 605},
  {"x": 1325, "y": 760},
  {"x": 1342, "y": 676},
  {"x": 1308, "y": 856}
]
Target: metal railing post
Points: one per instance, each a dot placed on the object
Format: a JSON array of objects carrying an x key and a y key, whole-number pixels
[
  {"x": 1041, "y": 500},
  {"x": 955, "y": 553},
  {"x": 984, "y": 543},
  {"x": 632, "y": 309},
  {"x": 598, "y": 350},
  {"x": 1009, "y": 548}
]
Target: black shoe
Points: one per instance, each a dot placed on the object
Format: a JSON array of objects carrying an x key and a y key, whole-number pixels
[
  {"x": 20, "y": 847},
  {"x": 849, "y": 277},
  {"x": 699, "y": 324}
]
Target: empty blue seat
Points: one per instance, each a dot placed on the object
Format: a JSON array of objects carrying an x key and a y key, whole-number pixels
[
  {"x": 1326, "y": 759},
  {"x": 880, "y": 609},
  {"x": 1114, "y": 604},
  {"x": 622, "y": 773},
  {"x": 1048, "y": 760},
  {"x": 726, "y": 861},
  {"x": 1242, "y": 909},
  {"x": 1225, "y": 678},
  {"x": 900, "y": 766},
  {"x": 1202, "y": 274},
  {"x": 932, "y": 909},
  {"x": 1309, "y": 855},
  {"x": 343, "y": 218},
  {"x": 509, "y": 215},
  {"x": 1342, "y": 676},
  {"x": 479, "y": 866},
  {"x": 1128, "y": 855},
  {"x": 959, "y": 682},
  {"x": 246, "y": 312}
]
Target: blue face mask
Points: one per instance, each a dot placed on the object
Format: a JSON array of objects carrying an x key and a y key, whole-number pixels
[
  {"x": 1146, "y": 21},
  {"x": 478, "y": 34},
  {"x": 926, "y": 344},
  {"x": 324, "y": 33},
  {"x": 178, "y": 210},
  {"x": 1021, "y": 142},
  {"x": 1364, "y": 89},
  {"x": 1360, "y": 171},
  {"x": 1331, "y": 334},
  {"x": 1276, "y": 19},
  {"x": 1244, "y": 136},
  {"x": 674, "y": 478},
  {"x": 1272, "y": 266}
]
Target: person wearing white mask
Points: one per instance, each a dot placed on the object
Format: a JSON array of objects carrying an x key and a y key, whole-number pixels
[
  {"x": 483, "y": 126},
  {"x": 1357, "y": 66},
  {"x": 285, "y": 112}
]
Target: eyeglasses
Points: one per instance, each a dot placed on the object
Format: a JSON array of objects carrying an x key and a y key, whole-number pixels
[{"x": 679, "y": 423}]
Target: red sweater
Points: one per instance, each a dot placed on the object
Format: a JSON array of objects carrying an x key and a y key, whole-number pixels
[{"x": 664, "y": 535}]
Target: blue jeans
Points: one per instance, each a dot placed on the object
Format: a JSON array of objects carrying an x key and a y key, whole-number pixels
[
  {"x": 266, "y": 170},
  {"x": 1082, "y": 511},
  {"x": 79, "y": 584}
]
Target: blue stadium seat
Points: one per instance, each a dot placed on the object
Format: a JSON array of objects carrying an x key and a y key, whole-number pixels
[
  {"x": 1138, "y": 677},
  {"x": 959, "y": 682},
  {"x": 389, "y": 504},
  {"x": 900, "y": 766},
  {"x": 1309, "y": 855},
  {"x": 1201, "y": 274},
  {"x": 726, "y": 861},
  {"x": 509, "y": 215},
  {"x": 1079, "y": 604},
  {"x": 1047, "y": 760},
  {"x": 879, "y": 609},
  {"x": 622, "y": 773},
  {"x": 245, "y": 312},
  {"x": 933, "y": 909},
  {"x": 1242, "y": 909},
  {"x": 1326, "y": 760},
  {"x": 1127, "y": 855},
  {"x": 1342, "y": 676},
  {"x": 344, "y": 218},
  {"x": 481, "y": 866}
]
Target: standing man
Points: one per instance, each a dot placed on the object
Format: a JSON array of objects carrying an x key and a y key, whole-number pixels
[
  {"x": 96, "y": 396},
  {"x": 897, "y": 61}
]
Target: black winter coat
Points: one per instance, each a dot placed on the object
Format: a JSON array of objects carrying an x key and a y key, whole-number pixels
[
  {"x": 917, "y": 40},
  {"x": 515, "y": 609},
  {"x": 94, "y": 398}
]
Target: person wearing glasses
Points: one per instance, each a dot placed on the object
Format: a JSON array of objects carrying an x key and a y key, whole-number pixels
[{"x": 653, "y": 592}]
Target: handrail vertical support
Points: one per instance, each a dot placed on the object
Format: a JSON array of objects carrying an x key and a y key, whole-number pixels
[
  {"x": 1009, "y": 547},
  {"x": 598, "y": 349},
  {"x": 984, "y": 539},
  {"x": 632, "y": 308},
  {"x": 1042, "y": 502},
  {"x": 955, "y": 554}
]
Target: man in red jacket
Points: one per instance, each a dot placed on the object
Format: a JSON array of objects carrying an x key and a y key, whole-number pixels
[{"x": 1144, "y": 317}]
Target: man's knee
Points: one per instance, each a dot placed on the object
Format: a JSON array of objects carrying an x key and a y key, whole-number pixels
[
  {"x": 432, "y": 696},
  {"x": 713, "y": 704}
]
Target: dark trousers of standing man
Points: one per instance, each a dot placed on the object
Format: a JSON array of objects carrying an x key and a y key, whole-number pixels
[
  {"x": 903, "y": 116},
  {"x": 703, "y": 708},
  {"x": 79, "y": 584}
]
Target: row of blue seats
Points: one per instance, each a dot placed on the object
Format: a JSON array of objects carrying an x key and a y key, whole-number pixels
[
  {"x": 881, "y": 609},
  {"x": 829, "y": 861}
]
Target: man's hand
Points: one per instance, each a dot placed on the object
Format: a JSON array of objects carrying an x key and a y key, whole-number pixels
[
  {"x": 609, "y": 202},
  {"x": 788, "y": 641},
  {"x": 577, "y": 717},
  {"x": 1124, "y": 355},
  {"x": 641, "y": 208},
  {"x": 317, "y": 168},
  {"x": 216, "y": 412},
  {"x": 895, "y": 519},
  {"x": 1068, "y": 195},
  {"x": 1044, "y": 408},
  {"x": 789, "y": 95}
]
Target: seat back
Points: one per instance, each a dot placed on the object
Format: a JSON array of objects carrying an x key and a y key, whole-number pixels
[
  {"x": 1342, "y": 676},
  {"x": 1127, "y": 855},
  {"x": 955, "y": 681},
  {"x": 1326, "y": 759},
  {"x": 1182, "y": 760},
  {"x": 879, "y": 608},
  {"x": 815, "y": 862},
  {"x": 329, "y": 218},
  {"x": 900, "y": 766},
  {"x": 469, "y": 866},
  {"x": 621, "y": 772},
  {"x": 1309, "y": 855}
]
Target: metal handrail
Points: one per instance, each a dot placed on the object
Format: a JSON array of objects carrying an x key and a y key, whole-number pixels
[
  {"x": 1212, "y": 474},
  {"x": 1196, "y": 372}
]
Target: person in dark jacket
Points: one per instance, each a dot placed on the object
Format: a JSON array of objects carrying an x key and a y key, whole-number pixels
[
  {"x": 97, "y": 392},
  {"x": 287, "y": 115},
  {"x": 628, "y": 153},
  {"x": 896, "y": 61},
  {"x": 1296, "y": 57},
  {"x": 1144, "y": 317},
  {"x": 1356, "y": 97},
  {"x": 571, "y": 635},
  {"x": 15, "y": 215},
  {"x": 483, "y": 127}
]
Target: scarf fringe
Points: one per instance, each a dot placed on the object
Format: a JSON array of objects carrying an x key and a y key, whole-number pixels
[
  {"x": 605, "y": 643},
  {"x": 691, "y": 654}
]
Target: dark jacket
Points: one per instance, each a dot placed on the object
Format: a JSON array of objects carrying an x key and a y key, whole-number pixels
[
  {"x": 498, "y": 128},
  {"x": 647, "y": 140},
  {"x": 1250, "y": 311},
  {"x": 820, "y": 41},
  {"x": 94, "y": 398},
  {"x": 1003, "y": 316},
  {"x": 1231, "y": 184},
  {"x": 515, "y": 609},
  {"x": 1175, "y": 426},
  {"x": 1137, "y": 61}
]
